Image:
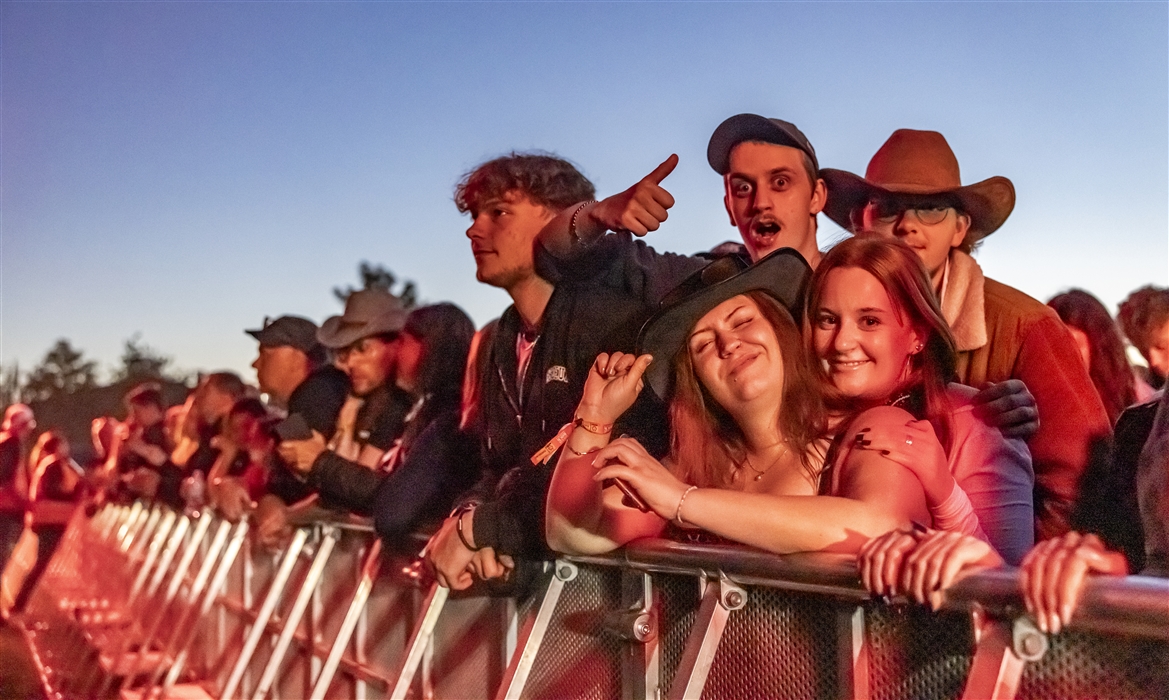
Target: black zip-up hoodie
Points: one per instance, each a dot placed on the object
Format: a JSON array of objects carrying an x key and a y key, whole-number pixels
[{"x": 599, "y": 304}]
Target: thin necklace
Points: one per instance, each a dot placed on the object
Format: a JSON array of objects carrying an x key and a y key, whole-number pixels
[{"x": 759, "y": 474}]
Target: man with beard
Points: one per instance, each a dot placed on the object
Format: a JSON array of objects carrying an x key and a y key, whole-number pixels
[{"x": 365, "y": 342}]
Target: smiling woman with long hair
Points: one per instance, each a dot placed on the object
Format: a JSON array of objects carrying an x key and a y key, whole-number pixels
[
  {"x": 878, "y": 331},
  {"x": 748, "y": 433}
]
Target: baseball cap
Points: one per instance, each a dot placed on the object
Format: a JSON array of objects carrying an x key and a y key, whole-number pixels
[
  {"x": 293, "y": 331},
  {"x": 752, "y": 127}
]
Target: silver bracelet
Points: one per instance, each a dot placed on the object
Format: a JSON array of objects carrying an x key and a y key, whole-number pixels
[
  {"x": 678, "y": 510},
  {"x": 572, "y": 232}
]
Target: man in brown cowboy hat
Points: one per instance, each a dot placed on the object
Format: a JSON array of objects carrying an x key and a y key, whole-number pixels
[
  {"x": 364, "y": 340},
  {"x": 912, "y": 190}
]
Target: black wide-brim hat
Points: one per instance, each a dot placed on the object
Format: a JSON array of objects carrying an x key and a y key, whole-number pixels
[{"x": 784, "y": 274}]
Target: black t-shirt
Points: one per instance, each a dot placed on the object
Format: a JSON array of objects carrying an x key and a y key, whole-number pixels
[{"x": 319, "y": 399}]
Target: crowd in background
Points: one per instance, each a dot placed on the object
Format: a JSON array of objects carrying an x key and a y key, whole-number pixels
[{"x": 765, "y": 393}]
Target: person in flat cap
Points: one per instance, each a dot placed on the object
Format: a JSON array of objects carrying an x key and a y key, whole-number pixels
[
  {"x": 293, "y": 369},
  {"x": 912, "y": 190}
]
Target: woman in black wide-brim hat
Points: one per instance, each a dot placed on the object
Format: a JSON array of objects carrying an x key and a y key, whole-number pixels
[{"x": 749, "y": 434}]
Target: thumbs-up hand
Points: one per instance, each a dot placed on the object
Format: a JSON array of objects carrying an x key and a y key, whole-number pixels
[{"x": 641, "y": 208}]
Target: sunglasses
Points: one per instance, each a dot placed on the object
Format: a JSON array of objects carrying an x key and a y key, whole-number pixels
[{"x": 888, "y": 211}]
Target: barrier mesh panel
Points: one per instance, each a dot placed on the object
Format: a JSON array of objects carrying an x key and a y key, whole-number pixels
[
  {"x": 678, "y": 601},
  {"x": 1082, "y": 665},
  {"x": 780, "y": 645},
  {"x": 578, "y": 658},
  {"x": 914, "y": 653}
]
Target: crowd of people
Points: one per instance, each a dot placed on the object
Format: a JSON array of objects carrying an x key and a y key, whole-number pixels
[{"x": 882, "y": 398}]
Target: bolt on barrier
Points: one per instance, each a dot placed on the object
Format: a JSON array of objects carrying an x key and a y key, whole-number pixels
[{"x": 143, "y": 602}]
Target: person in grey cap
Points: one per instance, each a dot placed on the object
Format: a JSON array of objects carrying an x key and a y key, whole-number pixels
[
  {"x": 292, "y": 368},
  {"x": 772, "y": 193},
  {"x": 364, "y": 341}
]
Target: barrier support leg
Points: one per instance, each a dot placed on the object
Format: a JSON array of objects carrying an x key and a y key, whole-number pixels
[
  {"x": 717, "y": 603},
  {"x": 275, "y": 593},
  {"x": 420, "y": 639},
  {"x": 1002, "y": 651},
  {"x": 532, "y": 634},
  {"x": 327, "y": 540},
  {"x": 636, "y": 623},
  {"x": 854, "y": 653}
]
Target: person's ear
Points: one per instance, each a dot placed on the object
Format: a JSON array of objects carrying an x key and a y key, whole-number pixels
[
  {"x": 961, "y": 227},
  {"x": 919, "y": 340},
  {"x": 819, "y": 197}
]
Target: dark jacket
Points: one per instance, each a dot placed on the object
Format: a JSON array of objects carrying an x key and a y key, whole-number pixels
[
  {"x": 599, "y": 304},
  {"x": 1108, "y": 499},
  {"x": 319, "y": 398},
  {"x": 437, "y": 465}
]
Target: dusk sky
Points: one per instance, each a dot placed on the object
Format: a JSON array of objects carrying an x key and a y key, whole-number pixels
[{"x": 183, "y": 169}]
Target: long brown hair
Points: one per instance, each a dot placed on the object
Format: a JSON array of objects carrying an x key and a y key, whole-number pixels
[
  {"x": 1107, "y": 364},
  {"x": 706, "y": 445},
  {"x": 905, "y": 279}
]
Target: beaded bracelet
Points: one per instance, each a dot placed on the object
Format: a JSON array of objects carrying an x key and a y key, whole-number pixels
[
  {"x": 678, "y": 510},
  {"x": 572, "y": 232}
]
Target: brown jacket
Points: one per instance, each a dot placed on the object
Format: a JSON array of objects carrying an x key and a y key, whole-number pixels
[{"x": 1004, "y": 334}]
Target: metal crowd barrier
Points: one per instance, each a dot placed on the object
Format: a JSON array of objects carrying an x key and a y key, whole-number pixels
[{"x": 143, "y": 602}]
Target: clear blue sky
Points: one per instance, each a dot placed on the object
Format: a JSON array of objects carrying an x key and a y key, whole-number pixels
[{"x": 182, "y": 169}]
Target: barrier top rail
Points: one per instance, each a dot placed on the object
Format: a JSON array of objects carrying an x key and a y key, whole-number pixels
[{"x": 1131, "y": 605}]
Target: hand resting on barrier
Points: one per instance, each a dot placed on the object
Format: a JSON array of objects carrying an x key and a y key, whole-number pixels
[
  {"x": 230, "y": 498},
  {"x": 456, "y": 565},
  {"x": 272, "y": 526},
  {"x": 921, "y": 564},
  {"x": 1053, "y": 573}
]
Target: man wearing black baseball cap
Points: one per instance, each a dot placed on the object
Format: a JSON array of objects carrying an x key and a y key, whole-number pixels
[
  {"x": 293, "y": 370},
  {"x": 772, "y": 193}
]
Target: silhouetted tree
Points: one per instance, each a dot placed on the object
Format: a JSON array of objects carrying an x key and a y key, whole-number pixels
[
  {"x": 62, "y": 371},
  {"x": 377, "y": 276},
  {"x": 10, "y": 384},
  {"x": 141, "y": 362}
]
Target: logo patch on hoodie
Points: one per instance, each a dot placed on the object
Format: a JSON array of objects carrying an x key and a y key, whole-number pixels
[{"x": 556, "y": 373}]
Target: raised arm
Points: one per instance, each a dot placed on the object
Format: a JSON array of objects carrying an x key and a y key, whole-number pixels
[
  {"x": 582, "y": 516},
  {"x": 639, "y": 210}
]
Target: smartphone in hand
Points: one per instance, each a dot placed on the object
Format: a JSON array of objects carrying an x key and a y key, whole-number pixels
[{"x": 294, "y": 427}]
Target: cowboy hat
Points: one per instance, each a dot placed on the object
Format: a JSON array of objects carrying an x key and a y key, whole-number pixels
[
  {"x": 367, "y": 312},
  {"x": 783, "y": 274},
  {"x": 919, "y": 163}
]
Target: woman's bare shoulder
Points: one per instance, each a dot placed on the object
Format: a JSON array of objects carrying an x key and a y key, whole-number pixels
[{"x": 878, "y": 418}]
